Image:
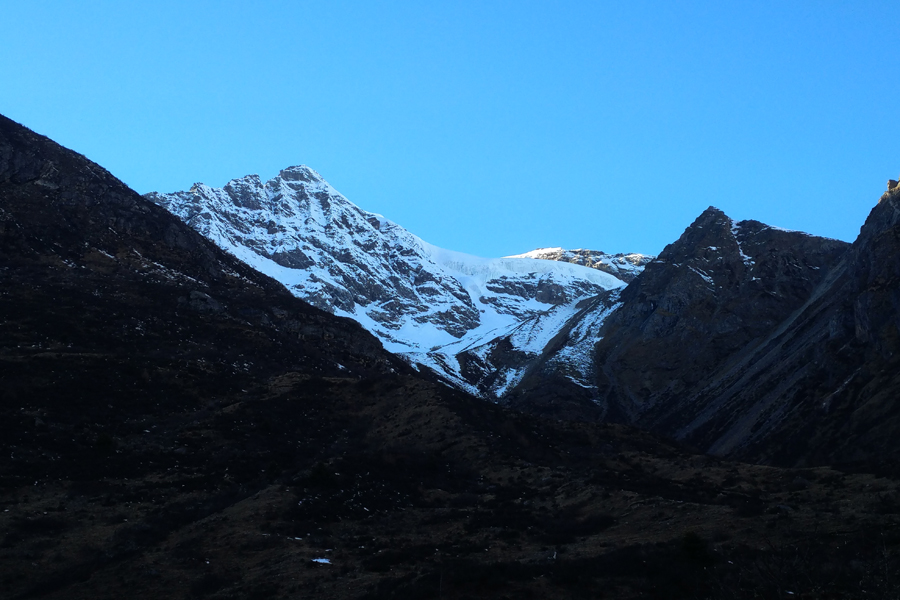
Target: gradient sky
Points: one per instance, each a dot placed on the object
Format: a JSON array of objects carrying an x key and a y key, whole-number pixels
[{"x": 486, "y": 127}]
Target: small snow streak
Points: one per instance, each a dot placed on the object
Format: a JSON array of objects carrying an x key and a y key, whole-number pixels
[
  {"x": 706, "y": 277},
  {"x": 735, "y": 229}
]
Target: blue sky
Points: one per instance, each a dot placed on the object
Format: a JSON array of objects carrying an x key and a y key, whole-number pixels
[{"x": 485, "y": 127}]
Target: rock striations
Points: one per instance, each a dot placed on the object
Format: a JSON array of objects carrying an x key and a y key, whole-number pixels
[
  {"x": 762, "y": 344},
  {"x": 821, "y": 385}
]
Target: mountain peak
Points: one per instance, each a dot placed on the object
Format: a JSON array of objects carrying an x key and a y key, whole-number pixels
[
  {"x": 425, "y": 302},
  {"x": 712, "y": 215},
  {"x": 711, "y": 229},
  {"x": 300, "y": 173}
]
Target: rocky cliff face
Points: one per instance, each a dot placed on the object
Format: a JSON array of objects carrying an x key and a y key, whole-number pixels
[
  {"x": 710, "y": 294},
  {"x": 440, "y": 309},
  {"x": 715, "y": 291},
  {"x": 821, "y": 386},
  {"x": 758, "y": 343},
  {"x": 747, "y": 341}
]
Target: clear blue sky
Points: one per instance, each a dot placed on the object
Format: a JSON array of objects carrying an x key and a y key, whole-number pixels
[{"x": 485, "y": 127}]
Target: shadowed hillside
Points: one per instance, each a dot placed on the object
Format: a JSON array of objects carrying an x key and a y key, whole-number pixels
[{"x": 176, "y": 425}]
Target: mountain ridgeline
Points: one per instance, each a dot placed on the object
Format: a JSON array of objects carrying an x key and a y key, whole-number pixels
[
  {"x": 177, "y": 424},
  {"x": 737, "y": 336},
  {"x": 757, "y": 343}
]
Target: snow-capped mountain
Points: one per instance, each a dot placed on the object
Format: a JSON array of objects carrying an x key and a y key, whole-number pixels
[
  {"x": 438, "y": 308},
  {"x": 623, "y": 266}
]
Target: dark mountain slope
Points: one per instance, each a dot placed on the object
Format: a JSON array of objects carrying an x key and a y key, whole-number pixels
[
  {"x": 823, "y": 386},
  {"x": 715, "y": 293},
  {"x": 93, "y": 274},
  {"x": 762, "y": 344},
  {"x": 717, "y": 290},
  {"x": 175, "y": 425}
]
